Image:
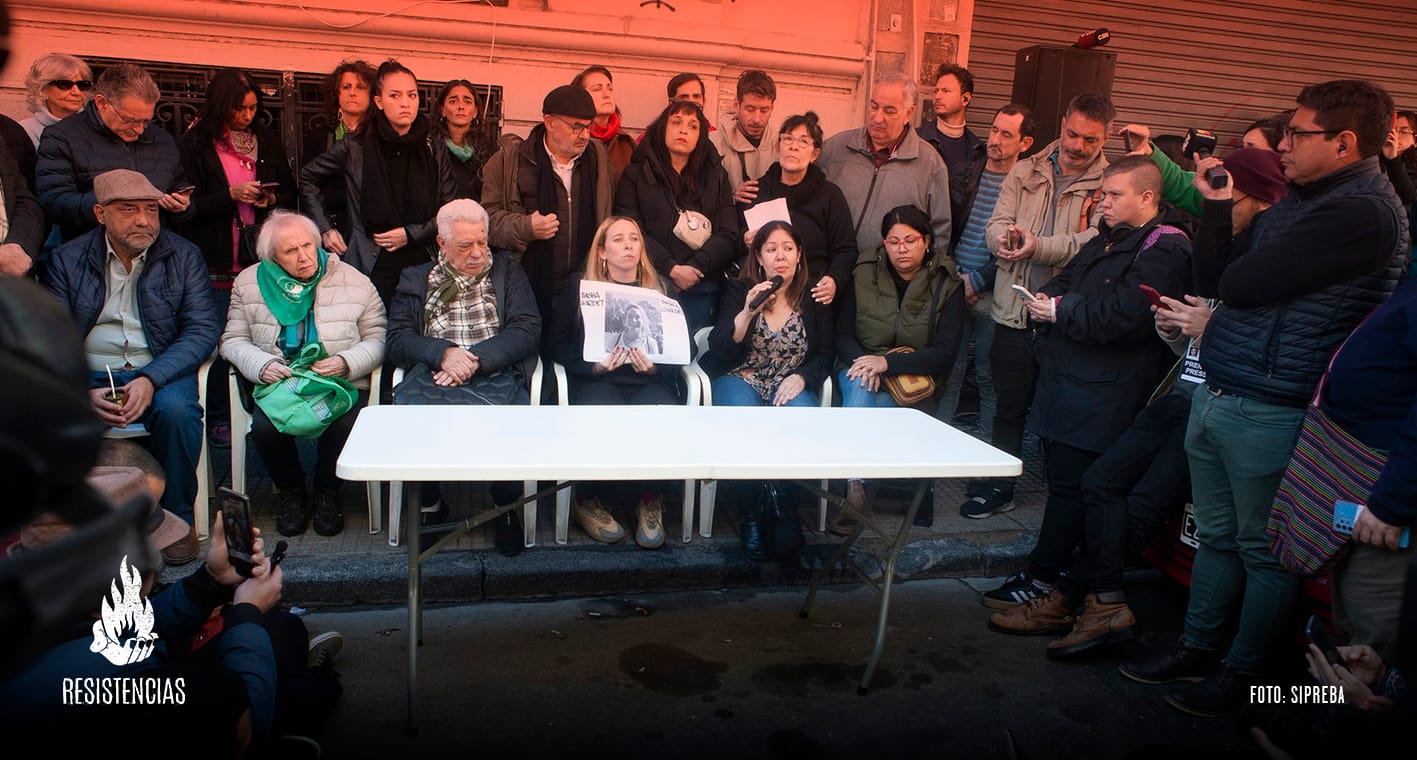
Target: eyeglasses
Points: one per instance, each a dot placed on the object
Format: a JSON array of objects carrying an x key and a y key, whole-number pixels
[
  {"x": 1404, "y": 130},
  {"x": 908, "y": 241},
  {"x": 84, "y": 85},
  {"x": 130, "y": 121},
  {"x": 576, "y": 129},
  {"x": 1290, "y": 133},
  {"x": 788, "y": 141}
]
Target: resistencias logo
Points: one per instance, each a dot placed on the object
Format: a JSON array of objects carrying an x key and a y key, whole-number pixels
[
  {"x": 124, "y": 632},
  {"x": 124, "y": 635}
]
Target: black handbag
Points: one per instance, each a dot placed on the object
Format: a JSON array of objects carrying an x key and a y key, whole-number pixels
[
  {"x": 418, "y": 388},
  {"x": 781, "y": 529},
  {"x": 246, "y": 243}
]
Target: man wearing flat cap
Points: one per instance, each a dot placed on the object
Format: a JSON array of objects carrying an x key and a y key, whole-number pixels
[
  {"x": 142, "y": 299},
  {"x": 547, "y": 194}
]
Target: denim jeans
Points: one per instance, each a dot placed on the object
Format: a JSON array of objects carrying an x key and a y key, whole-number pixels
[
  {"x": 1238, "y": 449},
  {"x": 979, "y": 329},
  {"x": 731, "y": 390},
  {"x": 854, "y": 395},
  {"x": 174, "y": 424}
]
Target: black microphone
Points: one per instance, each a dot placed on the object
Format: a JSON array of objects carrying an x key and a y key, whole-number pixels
[{"x": 763, "y": 296}]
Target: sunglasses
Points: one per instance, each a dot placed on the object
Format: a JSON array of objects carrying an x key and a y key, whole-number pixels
[{"x": 84, "y": 85}]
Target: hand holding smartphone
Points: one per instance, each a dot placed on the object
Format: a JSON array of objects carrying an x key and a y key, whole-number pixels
[
  {"x": 1319, "y": 636},
  {"x": 1023, "y": 292},
  {"x": 1015, "y": 238},
  {"x": 236, "y": 523},
  {"x": 1154, "y": 296},
  {"x": 184, "y": 190}
]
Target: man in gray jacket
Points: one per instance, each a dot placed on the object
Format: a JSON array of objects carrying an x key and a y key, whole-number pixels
[{"x": 885, "y": 164}]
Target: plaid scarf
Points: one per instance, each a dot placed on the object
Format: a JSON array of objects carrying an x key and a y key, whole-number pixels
[{"x": 459, "y": 308}]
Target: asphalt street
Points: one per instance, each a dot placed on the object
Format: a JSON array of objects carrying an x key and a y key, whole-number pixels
[{"x": 736, "y": 673}]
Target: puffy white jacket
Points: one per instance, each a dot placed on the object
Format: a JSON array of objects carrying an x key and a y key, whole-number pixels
[{"x": 349, "y": 318}]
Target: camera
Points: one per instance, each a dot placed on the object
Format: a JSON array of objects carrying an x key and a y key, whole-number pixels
[{"x": 1200, "y": 143}]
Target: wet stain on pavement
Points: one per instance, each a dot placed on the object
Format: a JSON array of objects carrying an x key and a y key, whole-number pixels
[
  {"x": 792, "y": 744},
  {"x": 670, "y": 670},
  {"x": 797, "y": 679},
  {"x": 948, "y": 665}
]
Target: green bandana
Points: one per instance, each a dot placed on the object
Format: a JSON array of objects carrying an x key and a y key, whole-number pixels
[
  {"x": 463, "y": 153},
  {"x": 288, "y": 299}
]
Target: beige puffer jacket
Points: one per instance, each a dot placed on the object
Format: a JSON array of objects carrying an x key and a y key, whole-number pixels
[
  {"x": 349, "y": 318},
  {"x": 1024, "y": 197}
]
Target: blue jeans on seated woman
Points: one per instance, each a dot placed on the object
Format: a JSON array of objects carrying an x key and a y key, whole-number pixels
[
  {"x": 732, "y": 390},
  {"x": 853, "y": 394}
]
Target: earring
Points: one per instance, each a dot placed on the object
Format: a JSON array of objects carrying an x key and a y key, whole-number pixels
[{"x": 604, "y": 269}]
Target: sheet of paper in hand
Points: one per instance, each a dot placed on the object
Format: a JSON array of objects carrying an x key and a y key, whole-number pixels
[
  {"x": 767, "y": 211},
  {"x": 630, "y": 317}
]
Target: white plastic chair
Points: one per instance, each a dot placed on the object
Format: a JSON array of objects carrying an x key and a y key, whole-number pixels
[
  {"x": 708, "y": 489},
  {"x": 528, "y": 486},
  {"x": 201, "y": 507},
  {"x": 692, "y": 393},
  {"x": 241, "y": 425}
]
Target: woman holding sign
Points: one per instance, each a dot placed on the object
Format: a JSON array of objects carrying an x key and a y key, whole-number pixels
[
  {"x": 817, "y": 207},
  {"x": 906, "y": 297},
  {"x": 625, "y": 376}
]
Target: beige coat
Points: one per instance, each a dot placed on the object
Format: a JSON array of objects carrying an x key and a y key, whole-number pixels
[
  {"x": 1023, "y": 200},
  {"x": 349, "y": 318},
  {"x": 736, "y": 151}
]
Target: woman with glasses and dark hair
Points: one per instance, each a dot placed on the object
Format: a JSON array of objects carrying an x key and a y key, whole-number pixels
[
  {"x": 457, "y": 113},
  {"x": 818, "y": 209},
  {"x": 597, "y": 81},
  {"x": 675, "y": 184},
  {"x": 906, "y": 296},
  {"x": 396, "y": 177}
]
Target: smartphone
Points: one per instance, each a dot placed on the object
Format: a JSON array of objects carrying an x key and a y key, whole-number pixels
[
  {"x": 269, "y": 185},
  {"x": 1345, "y": 516},
  {"x": 1023, "y": 291},
  {"x": 236, "y": 522},
  {"x": 1127, "y": 140},
  {"x": 1015, "y": 239},
  {"x": 1327, "y": 643},
  {"x": 184, "y": 190},
  {"x": 1154, "y": 296}
]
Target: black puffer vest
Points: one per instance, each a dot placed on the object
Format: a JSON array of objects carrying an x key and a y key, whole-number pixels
[{"x": 1276, "y": 354}]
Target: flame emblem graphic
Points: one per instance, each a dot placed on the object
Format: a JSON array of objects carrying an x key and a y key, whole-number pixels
[{"x": 124, "y": 633}]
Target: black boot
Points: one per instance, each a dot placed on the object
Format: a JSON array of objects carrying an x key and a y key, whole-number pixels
[{"x": 750, "y": 528}]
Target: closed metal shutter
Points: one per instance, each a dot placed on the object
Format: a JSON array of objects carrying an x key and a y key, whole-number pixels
[{"x": 1200, "y": 63}]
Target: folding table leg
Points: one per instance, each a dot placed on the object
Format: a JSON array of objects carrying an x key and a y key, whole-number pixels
[
  {"x": 889, "y": 575},
  {"x": 415, "y": 608}
]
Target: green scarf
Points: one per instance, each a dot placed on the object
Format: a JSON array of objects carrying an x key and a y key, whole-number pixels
[
  {"x": 463, "y": 153},
  {"x": 439, "y": 299},
  {"x": 288, "y": 299}
]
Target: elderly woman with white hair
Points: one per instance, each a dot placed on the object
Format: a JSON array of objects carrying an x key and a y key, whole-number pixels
[
  {"x": 466, "y": 328},
  {"x": 297, "y": 296},
  {"x": 57, "y": 86}
]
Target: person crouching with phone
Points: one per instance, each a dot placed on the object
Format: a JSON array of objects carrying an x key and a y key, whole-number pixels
[{"x": 1099, "y": 360}]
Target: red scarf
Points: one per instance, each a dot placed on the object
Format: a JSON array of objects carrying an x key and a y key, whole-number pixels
[{"x": 606, "y": 133}]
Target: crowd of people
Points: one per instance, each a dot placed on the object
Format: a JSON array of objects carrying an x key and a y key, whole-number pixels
[{"x": 1239, "y": 336}]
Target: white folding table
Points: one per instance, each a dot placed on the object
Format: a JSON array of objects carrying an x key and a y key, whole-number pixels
[{"x": 633, "y": 443}]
